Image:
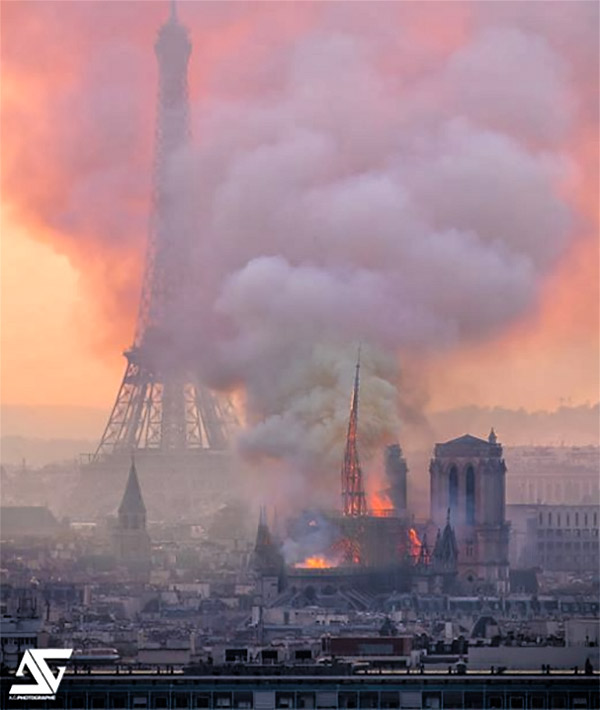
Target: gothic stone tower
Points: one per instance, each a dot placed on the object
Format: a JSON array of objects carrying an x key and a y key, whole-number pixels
[
  {"x": 396, "y": 473},
  {"x": 267, "y": 562},
  {"x": 467, "y": 478},
  {"x": 131, "y": 541}
]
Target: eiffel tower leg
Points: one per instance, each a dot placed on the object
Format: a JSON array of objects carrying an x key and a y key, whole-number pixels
[
  {"x": 213, "y": 419},
  {"x": 150, "y": 428},
  {"x": 121, "y": 416},
  {"x": 173, "y": 417}
]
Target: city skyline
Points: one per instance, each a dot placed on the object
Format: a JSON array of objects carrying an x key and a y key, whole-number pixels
[{"x": 391, "y": 204}]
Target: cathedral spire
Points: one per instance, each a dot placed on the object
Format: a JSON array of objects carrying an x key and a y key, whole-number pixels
[
  {"x": 132, "y": 502},
  {"x": 353, "y": 494},
  {"x": 131, "y": 540},
  {"x": 266, "y": 559},
  {"x": 445, "y": 552},
  {"x": 263, "y": 534}
]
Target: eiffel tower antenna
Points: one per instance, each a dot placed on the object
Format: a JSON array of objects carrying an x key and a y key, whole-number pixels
[
  {"x": 162, "y": 406},
  {"x": 353, "y": 494}
]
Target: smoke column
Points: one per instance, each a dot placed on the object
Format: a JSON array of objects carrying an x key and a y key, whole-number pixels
[{"x": 405, "y": 176}]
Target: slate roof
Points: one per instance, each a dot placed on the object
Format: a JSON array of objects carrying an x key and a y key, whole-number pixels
[
  {"x": 445, "y": 551},
  {"x": 132, "y": 498},
  {"x": 27, "y": 520}
]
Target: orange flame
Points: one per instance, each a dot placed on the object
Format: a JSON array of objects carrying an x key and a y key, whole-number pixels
[
  {"x": 415, "y": 543},
  {"x": 314, "y": 562},
  {"x": 352, "y": 552},
  {"x": 379, "y": 504}
]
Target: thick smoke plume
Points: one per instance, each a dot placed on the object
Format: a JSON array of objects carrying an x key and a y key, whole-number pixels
[
  {"x": 358, "y": 176},
  {"x": 350, "y": 207}
]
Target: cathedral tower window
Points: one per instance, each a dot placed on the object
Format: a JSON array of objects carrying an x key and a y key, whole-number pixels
[
  {"x": 453, "y": 489},
  {"x": 470, "y": 496}
]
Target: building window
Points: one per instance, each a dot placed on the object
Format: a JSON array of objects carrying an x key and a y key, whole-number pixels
[
  {"x": 549, "y": 518},
  {"x": 585, "y": 520},
  {"x": 595, "y": 519},
  {"x": 568, "y": 520},
  {"x": 453, "y": 489},
  {"x": 470, "y": 496},
  {"x": 576, "y": 520},
  {"x": 541, "y": 518},
  {"x": 558, "y": 519}
]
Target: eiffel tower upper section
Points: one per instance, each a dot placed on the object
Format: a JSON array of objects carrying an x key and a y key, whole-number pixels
[
  {"x": 171, "y": 231},
  {"x": 161, "y": 404}
]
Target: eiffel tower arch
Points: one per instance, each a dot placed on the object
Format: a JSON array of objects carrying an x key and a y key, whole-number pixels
[{"x": 176, "y": 426}]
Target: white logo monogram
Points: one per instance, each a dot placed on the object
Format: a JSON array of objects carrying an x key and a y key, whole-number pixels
[{"x": 46, "y": 682}]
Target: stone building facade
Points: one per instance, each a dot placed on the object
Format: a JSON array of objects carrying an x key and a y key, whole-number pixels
[
  {"x": 468, "y": 487},
  {"x": 555, "y": 538},
  {"x": 553, "y": 475}
]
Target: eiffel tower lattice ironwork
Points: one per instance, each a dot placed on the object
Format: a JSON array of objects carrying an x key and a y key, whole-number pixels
[{"x": 161, "y": 404}]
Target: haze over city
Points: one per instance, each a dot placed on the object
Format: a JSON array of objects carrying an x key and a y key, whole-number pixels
[{"x": 300, "y": 391}]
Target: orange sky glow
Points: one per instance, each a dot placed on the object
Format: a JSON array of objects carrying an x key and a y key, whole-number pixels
[{"x": 70, "y": 279}]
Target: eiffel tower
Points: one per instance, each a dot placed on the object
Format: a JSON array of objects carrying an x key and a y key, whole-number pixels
[{"x": 162, "y": 406}]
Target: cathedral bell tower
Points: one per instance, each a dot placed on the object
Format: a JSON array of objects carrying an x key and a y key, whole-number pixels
[{"x": 468, "y": 479}]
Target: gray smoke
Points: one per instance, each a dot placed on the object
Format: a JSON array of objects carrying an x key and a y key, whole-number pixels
[
  {"x": 310, "y": 534},
  {"x": 339, "y": 206}
]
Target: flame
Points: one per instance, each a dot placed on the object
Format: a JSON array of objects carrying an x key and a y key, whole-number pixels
[
  {"x": 349, "y": 551},
  {"x": 379, "y": 504},
  {"x": 314, "y": 562},
  {"x": 353, "y": 552},
  {"x": 415, "y": 543}
]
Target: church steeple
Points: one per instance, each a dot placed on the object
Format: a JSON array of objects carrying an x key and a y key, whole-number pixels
[
  {"x": 131, "y": 540},
  {"x": 132, "y": 511},
  {"x": 445, "y": 552},
  {"x": 353, "y": 494},
  {"x": 263, "y": 534},
  {"x": 267, "y": 559}
]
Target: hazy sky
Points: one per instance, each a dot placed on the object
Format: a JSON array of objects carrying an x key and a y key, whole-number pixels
[{"x": 489, "y": 110}]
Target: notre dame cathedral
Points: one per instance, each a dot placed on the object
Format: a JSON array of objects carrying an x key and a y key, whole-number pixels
[{"x": 467, "y": 479}]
